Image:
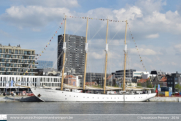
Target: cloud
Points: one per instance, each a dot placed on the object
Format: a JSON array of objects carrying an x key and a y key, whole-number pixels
[
  {"x": 178, "y": 48},
  {"x": 97, "y": 55},
  {"x": 143, "y": 51},
  {"x": 32, "y": 16},
  {"x": 152, "y": 36},
  {"x": 149, "y": 6},
  {"x": 145, "y": 20},
  {"x": 137, "y": 65},
  {"x": 173, "y": 63}
]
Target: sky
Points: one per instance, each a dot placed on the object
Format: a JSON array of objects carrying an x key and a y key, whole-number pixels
[{"x": 154, "y": 24}]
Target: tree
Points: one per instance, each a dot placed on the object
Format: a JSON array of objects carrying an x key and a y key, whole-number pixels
[
  {"x": 139, "y": 84},
  {"x": 178, "y": 87},
  {"x": 149, "y": 85}
]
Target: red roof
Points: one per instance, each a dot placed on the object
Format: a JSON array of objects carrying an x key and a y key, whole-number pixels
[
  {"x": 164, "y": 79},
  {"x": 142, "y": 80}
]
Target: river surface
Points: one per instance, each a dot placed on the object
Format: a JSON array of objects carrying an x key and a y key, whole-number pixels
[{"x": 90, "y": 108}]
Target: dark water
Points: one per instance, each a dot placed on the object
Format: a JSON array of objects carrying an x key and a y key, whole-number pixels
[{"x": 90, "y": 108}]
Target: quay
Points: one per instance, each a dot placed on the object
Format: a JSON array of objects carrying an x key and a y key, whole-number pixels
[{"x": 165, "y": 99}]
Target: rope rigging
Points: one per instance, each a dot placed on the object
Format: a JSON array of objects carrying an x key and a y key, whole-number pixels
[{"x": 141, "y": 59}]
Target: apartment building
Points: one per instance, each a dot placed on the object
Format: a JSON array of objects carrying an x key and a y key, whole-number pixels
[{"x": 17, "y": 61}]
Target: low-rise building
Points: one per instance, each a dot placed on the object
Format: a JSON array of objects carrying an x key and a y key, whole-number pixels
[
  {"x": 173, "y": 80},
  {"x": 129, "y": 73},
  {"x": 10, "y": 82},
  {"x": 139, "y": 74},
  {"x": 72, "y": 80},
  {"x": 91, "y": 83}
]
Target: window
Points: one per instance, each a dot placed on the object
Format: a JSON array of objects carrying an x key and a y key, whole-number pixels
[
  {"x": 16, "y": 51},
  {"x": 176, "y": 82},
  {"x": 25, "y": 52},
  {"x": 176, "y": 78}
]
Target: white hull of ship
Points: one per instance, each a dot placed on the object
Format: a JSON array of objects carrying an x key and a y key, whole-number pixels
[{"x": 50, "y": 95}]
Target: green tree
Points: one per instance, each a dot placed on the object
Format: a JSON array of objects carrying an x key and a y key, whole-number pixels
[
  {"x": 139, "y": 84},
  {"x": 148, "y": 84},
  {"x": 178, "y": 87}
]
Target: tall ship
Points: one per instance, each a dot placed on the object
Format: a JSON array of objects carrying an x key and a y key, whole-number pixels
[{"x": 46, "y": 94}]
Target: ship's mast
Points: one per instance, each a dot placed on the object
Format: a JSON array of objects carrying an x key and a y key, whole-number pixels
[
  {"x": 86, "y": 49},
  {"x": 64, "y": 49},
  {"x": 106, "y": 59},
  {"x": 125, "y": 54}
]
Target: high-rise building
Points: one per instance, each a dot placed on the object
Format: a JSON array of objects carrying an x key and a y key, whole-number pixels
[
  {"x": 17, "y": 61},
  {"x": 44, "y": 64},
  {"x": 75, "y": 53}
]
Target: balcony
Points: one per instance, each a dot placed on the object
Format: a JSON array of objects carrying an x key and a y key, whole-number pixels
[{"x": 13, "y": 53}]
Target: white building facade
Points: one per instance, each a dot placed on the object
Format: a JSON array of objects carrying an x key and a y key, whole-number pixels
[{"x": 141, "y": 74}]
